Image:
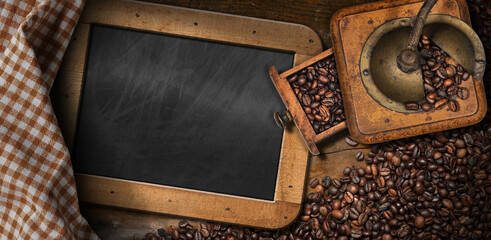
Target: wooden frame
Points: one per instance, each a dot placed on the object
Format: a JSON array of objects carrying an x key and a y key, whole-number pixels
[
  {"x": 293, "y": 105},
  {"x": 299, "y": 39},
  {"x": 368, "y": 121}
]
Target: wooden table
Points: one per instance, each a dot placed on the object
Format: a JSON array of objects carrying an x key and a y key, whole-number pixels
[
  {"x": 315, "y": 14},
  {"x": 111, "y": 223}
]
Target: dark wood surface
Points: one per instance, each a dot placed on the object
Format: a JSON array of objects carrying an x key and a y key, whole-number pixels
[
  {"x": 315, "y": 14},
  {"x": 112, "y": 223}
]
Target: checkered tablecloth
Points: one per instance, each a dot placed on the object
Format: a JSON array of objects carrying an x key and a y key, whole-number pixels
[{"x": 38, "y": 197}]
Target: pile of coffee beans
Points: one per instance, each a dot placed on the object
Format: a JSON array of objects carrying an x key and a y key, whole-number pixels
[
  {"x": 442, "y": 76},
  {"x": 185, "y": 231},
  {"x": 317, "y": 90},
  {"x": 430, "y": 187}
]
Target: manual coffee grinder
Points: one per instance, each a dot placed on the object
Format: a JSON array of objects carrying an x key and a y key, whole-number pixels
[{"x": 379, "y": 68}]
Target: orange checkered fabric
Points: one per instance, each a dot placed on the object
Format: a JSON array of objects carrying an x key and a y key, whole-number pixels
[{"x": 38, "y": 197}]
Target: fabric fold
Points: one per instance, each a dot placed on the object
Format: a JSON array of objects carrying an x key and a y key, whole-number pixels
[{"x": 38, "y": 196}]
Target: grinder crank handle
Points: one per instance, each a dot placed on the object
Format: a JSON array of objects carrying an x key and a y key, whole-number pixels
[{"x": 409, "y": 58}]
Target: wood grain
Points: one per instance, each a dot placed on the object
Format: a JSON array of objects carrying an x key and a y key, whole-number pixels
[
  {"x": 204, "y": 25},
  {"x": 315, "y": 14},
  {"x": 171, "y": 200}
]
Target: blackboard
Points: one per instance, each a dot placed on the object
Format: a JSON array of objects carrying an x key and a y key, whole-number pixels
[{"x": 180, "y": 112}]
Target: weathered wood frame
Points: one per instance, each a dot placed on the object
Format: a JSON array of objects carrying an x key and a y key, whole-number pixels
[{"x": 303, "y": 41}]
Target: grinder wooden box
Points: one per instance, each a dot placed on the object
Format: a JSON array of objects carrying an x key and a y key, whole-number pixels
[{"x": 294, "y": 108}]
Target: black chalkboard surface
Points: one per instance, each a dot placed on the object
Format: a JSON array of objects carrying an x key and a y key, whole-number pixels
[{"x": 180, "y": 112}]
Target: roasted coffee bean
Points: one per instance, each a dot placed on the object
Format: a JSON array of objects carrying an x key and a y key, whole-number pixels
[
  {"x": 429, "y": 88},
  {"x": 442, "y": 73},
  {"x": 346, "y": 171},
  {"x": 323, "y": 210},
  {"x": 410, "y": 196},
  {"x": 386, "y": 236},
  {"x": 162, "y": 232},
  {"x": 411, "y": 106},
  {"x": 450, "y": 70},
  {"x": 310, "y": 76},
  {"x": 344, "y": 179},
  {"x": 403, "y": 231},
  {"x": 314, "y": 209},
  {"x": 440, "y": 103},
  {"x": 183, "y": 223},
  {"x": 463, "y": 93},
  {"x": 336, "y": 204},
  {"x": 362, "y": 218},
  {"x": 448, "y": 203},
  {"x": 431, "y": 98},
  {"x": 323, "y": 79},
  {"x": 381, "y": 181},
  {"x": 419, "y": 221},
  {"x": 332, "y": 190},
  {"x": 293, "y": 78},
  {"x": 355, "y": 233},
  {"x": 426, "y": 107},
  {"x": 314, "y": 105},
  {"x": 348, "y": 197},
  {"x": 452, "y": 90},
  {"x": 337, "y": 214},
  {"x": 383, "y": 207},
  {"x": 151, "y": 236},
  {"x": 175, "y": 234},
  {"x": 465, "y": 75},
  {"x": 336, "y": 183},
  {"x": 453, "y": 105},
  {"x": 301, "y": 80},
  {"x": 306, "y": 100},
  {"x": 326, "y": 181},
  {"x": 317, "y": 89},
  {"x": 353, "y": 213},
  {"x": 204, "y": 232},
  {"x": 448, "y": 82},
  {"x": 314, "y": 182},
  {"x": 322, "y": 71},
  {"x": 396, "y": 161},
  {"x": 350, "y": 141},
  {"x": 353, "y": 188},
  {"x": 359, "y": 156},
  {"x": 384, "y": 172},
  {"x": 324, "y": 113}
]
